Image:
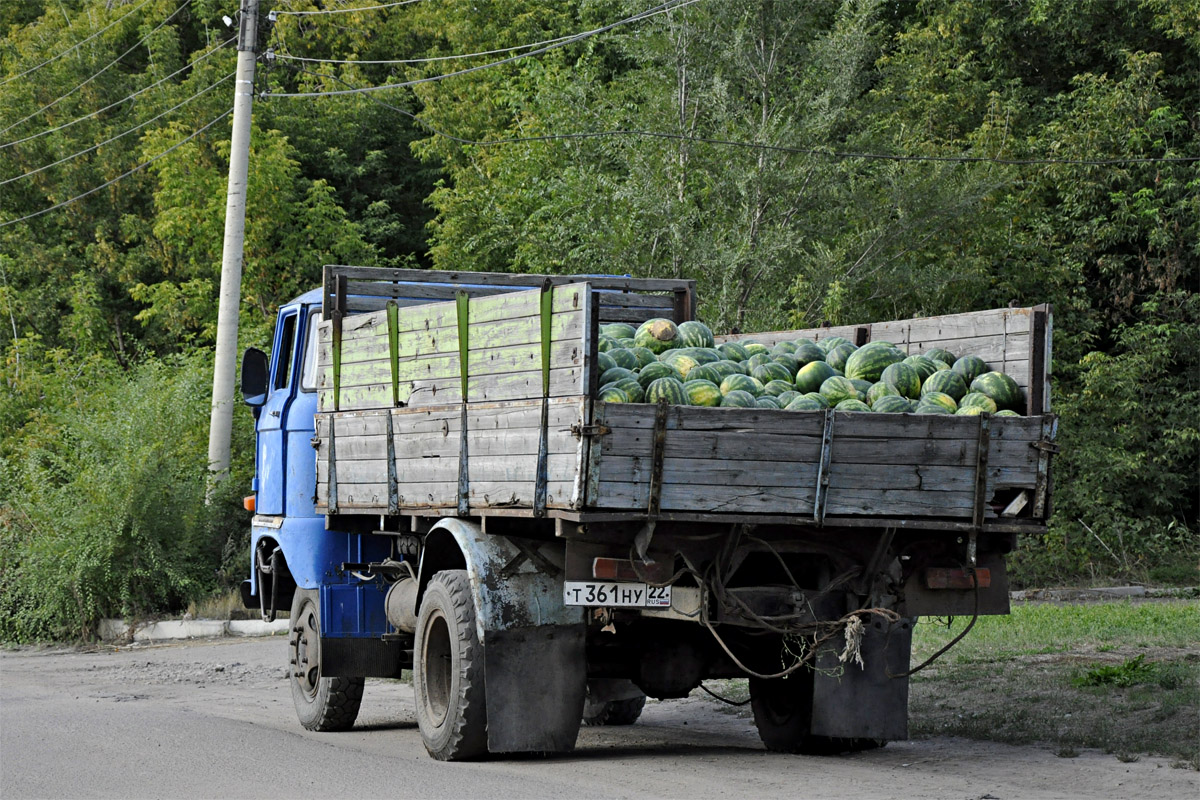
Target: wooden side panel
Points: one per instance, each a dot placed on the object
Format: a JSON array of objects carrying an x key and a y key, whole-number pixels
[{"x": 426, "y": 442}]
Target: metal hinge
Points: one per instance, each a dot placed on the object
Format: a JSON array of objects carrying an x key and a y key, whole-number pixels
[
  {"x": 590, "y": 430},
  {"x": 1049, "y": 447}
]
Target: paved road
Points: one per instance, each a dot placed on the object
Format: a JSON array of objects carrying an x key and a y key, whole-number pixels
[{"x": 214, "y": 719}]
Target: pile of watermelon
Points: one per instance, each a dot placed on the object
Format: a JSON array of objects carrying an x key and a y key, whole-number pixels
[{"x": 683, "y": 365}]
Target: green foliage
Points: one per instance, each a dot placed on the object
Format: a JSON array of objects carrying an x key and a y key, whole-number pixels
[{"x": 1128, "y": 673}]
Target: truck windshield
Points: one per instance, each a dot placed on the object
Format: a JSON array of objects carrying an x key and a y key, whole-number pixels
[{"x": 308, "y": 369}]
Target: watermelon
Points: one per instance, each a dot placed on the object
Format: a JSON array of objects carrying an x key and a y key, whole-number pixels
[
  {"x": 658, "y": 335},
  {"x": 862, "y": 386},
  {"x": 1001, "y": 388},
  {"x": 803, "y": 403},
  {"x": 939, "y": 365},
  {"x": 787, "y": 397},
  {"x": 869, "y": 361},
  {"x": 755, "y": 348},
  {"x": 652, "y": 372},
  {"x": 852, "y": 405},
  {"x": 975, "y": 399},
  {"x": 757, "y": 360},
  {"x": 695, "y": 334},
  {"x": 767, "y": 401},
  {"x": 924, "y": 366},
  {"x": 806, "y": 352},
  {"x": 618, "y": 330},
  {"x": 772, "y": 372},
  {"x": 704, "y": 372},
  {"x": 626, "y": 342},
  {"x": 742, "y": 383},
  {"x": 680, "y": 361},
  {"x": 702, "y": 393},
  {"x": 970, "y": 367},
  {"x": 788, "y": 362},
  {"x": 878, "y": 390},
  {"x": 930, "y": 408},
  {"x": 812, "y": 375},
  {"x": 817, "y": 398},
  {"x": 669, "y": 389},
  {"x": 940, "y": 399},
  {"x": 705, "y": 355},
  {"x": 938, "y": 354},
  {"x": 739, "y": 399},
  {"x": 776, "y": 388},
  {"x": 615, "y": 374},
  {"x": 828, "y": 344},
  {"x": 970, "y": 411},
  {"x": 837, "y": 357},
  {"x": 946, "y": 381},
  {"x": 624, "y": 358},
  {"x": 631, "y": 387},
  {"x": 904, "y": 378},
  {"x": 783, "y": 348},
  {"x": 727, "y": 368},
  {"x": 837, "y": 389},
  {"x": 611, "y": 394},
  {"x": 644, "y": 356},
  {"x": 1007, "y": 413},
  {"x": 892, "y": 404},
  {"x": 604, "y": 362},
  {"x": 733, "y": 351},
  {"x": 605, "y": 343}
]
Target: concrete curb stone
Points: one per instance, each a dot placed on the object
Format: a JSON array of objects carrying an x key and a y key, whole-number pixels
[{"x": 170, "y": 630}]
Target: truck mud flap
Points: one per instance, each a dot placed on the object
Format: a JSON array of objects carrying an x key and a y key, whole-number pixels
[
  {"x": 535, "y": 688},
  {"x": 863, "y": 702}
]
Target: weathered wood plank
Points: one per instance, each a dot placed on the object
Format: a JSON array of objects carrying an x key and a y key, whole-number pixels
[
  {"x": 771, "y": 338},
  {"x": 515, "y": 279},
  {"x": 759, "y": 420},
  {"x": 615, "y": 300},
  {"x": 513, "y": 468},
  {"x": 372, "y": 498},
  {"x": 489, "y": 361},
  {"x": 684, "y": 497},
  {"x": 486, "y": 388}
]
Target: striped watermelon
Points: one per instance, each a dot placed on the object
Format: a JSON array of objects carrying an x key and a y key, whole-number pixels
[
  {"x": 817, "y": 398},
  {"x": 772, "y": 372},
  {"x": 836, "y": 389},
  {"x": 658, "y": 335},
  {"x": 702, "y": 393},
  {"x": 945, "y": 401},
  {"x": 924, "y": 366},
  {"x": 739, "y": 399},
  {"x": 789, "y": 363},
  {"x": 807, "y": 352},
  {"x": 811, "y": 376},
  {"x": 1001, "y": 388},
  {"x": 975, "y": 399},
  {"x": 618, "y": 330},
  {"x": 1007, "y": 413},
  {"x": 783, "y": 348},
  {"x": 787, "y": 397},
  {"x": 670, "y": 389},
  {"x": 727, "y": 368},
  {"x": 605, "y": 343},
  {"x": 612, "y": 394},
  {"x": 904, "y": 378},
  {"x": 940, "y": 354},
  {"x": 631, "y": 387},
  {"x": 869, "y": 361},
  {"x": 742, "y": 383},
  {"x": 878, "y": 390},
  {"x": 970, "y": 367},
  {"x": 615, "y": 374},
  {"x": 644, "y": 356},
  {"x": 804, "y": 403},
  {"x": 604, "y": 362},
  {"x": 892, "y": 404},
  {"x": 970, "y": 411},
  {"x": 946, "y": 381},
  {"x": 777, "y": 388},
  {"x": 733, "y": 351},
  {"x": 680, "y": 361},
  {"x": 624, "y": 358},
  {"x": 754, "y": 348},
  {"x": 828, "y": 344},
  {"x": 704, "y": 372},
  {"x": 766, "y": 401},
  {"x": 627, "y": 342},
  {"x": 652, "y": 372},
  {"x": 705, "y": 355},
  {"x": 837, "y": 357},
  {"x": 852, "y": 404},
  {"x": 695, "y": 333},
  {"x": 757, "y": 360}
]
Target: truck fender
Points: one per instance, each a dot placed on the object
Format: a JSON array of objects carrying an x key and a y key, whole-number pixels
[{"x": 533, "y": 643}]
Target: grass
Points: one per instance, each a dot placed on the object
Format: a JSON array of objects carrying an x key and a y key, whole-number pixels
[
  {"x": 224, "y": 605},
  {"x": 1121, "y": 677}
]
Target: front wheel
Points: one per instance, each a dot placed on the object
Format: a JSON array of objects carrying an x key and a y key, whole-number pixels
[
  {"x": 448, "y": 675},
  {"x": 323, "y": 703}
]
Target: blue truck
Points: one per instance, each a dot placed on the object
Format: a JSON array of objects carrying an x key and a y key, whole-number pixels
[{"x": 440, "y": 489}]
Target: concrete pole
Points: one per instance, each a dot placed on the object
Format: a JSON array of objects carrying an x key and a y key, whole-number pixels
[{"x": 225, "y": 368}]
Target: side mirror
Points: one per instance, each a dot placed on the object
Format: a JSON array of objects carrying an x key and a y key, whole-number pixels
[{"x": 255, "y": 368}]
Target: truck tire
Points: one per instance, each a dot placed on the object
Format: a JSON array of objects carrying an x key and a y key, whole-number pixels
[
  {"x": 783, "y": 712},
  {"x": 448, "y": 671},
  {"x": 614, "y": 712},
  {"x": 323, "y": 703}
]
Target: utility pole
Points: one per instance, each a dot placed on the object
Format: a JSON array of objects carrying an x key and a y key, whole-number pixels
[{"x": 225, "y": 368}]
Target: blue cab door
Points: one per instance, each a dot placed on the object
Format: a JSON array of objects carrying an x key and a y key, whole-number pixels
[{"x": 272, "y": 443}]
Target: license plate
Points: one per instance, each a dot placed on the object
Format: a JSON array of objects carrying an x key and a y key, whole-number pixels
[{"x": 616, "y": 595}]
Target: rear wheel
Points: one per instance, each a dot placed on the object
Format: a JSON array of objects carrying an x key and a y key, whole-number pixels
[
  {"x": 614, "y": 712},
  {"x": 783, "y": 715},
  {"x": 448, "y": 674},
  {"x": 323, "y": 703}
]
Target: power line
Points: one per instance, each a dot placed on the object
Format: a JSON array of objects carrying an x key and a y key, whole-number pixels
[
  {"x": 141, "y": 91},
  {"x": 122, "y": 176},
  {"x": 455, "y": 57},
  {"x": 112, "y": 139},
  {"x": 665, "y": 7},
  {"x": 343, "y": 10},
  {"x": 106, "y": 67},
  {"x": 73, "y": 47},
  {"x": 810, "y": 151}
]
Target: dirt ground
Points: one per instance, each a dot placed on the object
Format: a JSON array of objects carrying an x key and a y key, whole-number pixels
[{"x": 214, "y": 718}]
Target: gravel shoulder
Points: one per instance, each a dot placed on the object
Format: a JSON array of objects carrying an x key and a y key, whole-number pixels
[{"x": 214, "y": 718}]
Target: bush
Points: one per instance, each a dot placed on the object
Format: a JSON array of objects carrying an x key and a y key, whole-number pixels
[{"x": 104, "y": 511}]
